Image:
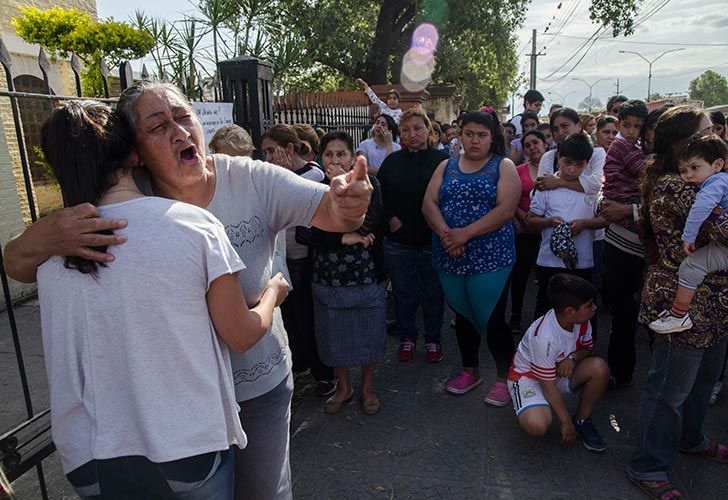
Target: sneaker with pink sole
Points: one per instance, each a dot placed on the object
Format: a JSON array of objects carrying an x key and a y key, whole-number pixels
[
  {"x": 463, "y": 383},
  {"x": 498, "y": 394}
]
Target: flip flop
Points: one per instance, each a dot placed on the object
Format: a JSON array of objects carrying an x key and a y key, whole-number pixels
[
  {"x": 658, "y": 490},
  {"x": 371, "y": 405},
  {"x": 714, "y": 451},
  {"x": 333, "y": 406}
]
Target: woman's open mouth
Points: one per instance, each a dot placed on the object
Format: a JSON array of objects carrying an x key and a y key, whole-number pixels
[{"x": 189, "y": 155}]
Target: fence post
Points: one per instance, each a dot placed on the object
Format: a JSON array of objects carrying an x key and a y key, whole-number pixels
[
  {"x": 126, "y": 75},
  {"x": 246, "y": 83},
  {"x": 76, "y": 67},
  {"x": 104, "y": 70},
  {"x": 45, "y": 65}
]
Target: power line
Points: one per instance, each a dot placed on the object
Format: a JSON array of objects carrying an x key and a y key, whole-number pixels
[{"x": 609, "y": 39}]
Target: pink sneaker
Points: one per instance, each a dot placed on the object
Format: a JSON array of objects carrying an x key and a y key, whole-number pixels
[
  {"x": 463, "y": 383},
  {"x": 498, "y": 394}
]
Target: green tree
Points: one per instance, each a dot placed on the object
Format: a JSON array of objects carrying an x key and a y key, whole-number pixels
[
  {"x": 476, "y": 51},
  {"x": 711, "y": 88},
  {"x": 62, "y": 31}
]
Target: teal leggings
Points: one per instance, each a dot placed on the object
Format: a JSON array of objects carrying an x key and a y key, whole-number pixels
[{"x": 475, "y": 296}]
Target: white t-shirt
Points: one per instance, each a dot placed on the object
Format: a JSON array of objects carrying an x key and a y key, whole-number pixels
[
  {"x": 255, "y": 200},
  {"x": 570, "y": 205},
  {"x": 374, "y": 152},
  {"x": 546, "y": 344},
  {"x": 133, "y": 361},
  {"x": 591, "y": 178}
]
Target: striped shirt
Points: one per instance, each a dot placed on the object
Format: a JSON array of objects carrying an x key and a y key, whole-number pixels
[
  {"x": 545, "y": 345},
  {"x": 623, "y": 166}
]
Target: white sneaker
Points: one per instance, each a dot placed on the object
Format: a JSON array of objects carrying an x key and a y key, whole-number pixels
[
  {"x": 667, "y": 323},
  {"x": 714, "y": 395}
]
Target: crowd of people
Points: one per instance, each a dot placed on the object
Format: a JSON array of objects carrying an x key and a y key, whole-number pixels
[{"x": 186, "y": 284}]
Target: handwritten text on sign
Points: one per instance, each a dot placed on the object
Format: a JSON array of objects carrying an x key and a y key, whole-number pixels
[{"x": 213, "y": 115}]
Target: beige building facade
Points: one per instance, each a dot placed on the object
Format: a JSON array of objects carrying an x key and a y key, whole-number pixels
[{"x": 27, "y": 77}]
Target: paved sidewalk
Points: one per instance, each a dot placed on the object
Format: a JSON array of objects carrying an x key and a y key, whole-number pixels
[{"x": 426, "y": 443}]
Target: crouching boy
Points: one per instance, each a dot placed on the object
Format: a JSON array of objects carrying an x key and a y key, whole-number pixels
[{"x": 554, "y": 358}]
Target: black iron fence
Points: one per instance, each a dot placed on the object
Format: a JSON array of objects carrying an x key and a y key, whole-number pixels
[
  {"x": 349, "y": 111},
  {"x": 26, "y": 444}
]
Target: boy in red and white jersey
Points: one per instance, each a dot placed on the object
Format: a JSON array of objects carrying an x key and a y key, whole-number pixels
[{"x": 554, "y": 358}]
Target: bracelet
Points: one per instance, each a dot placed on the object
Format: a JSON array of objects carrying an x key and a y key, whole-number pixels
[{"x": 571, "y": 357}]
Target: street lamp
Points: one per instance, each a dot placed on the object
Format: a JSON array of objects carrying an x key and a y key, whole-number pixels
[
  {"x": 590, "y": 87},
  {"x": 562, "y": 97},
  {"x": 650, "y": 63}
]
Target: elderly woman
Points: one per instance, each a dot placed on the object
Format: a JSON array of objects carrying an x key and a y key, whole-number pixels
[
  {"x": 470, "y": 202},
  {"x": 254, "y": 201},
  {"x": 348, "y": 296},
  {"x": 685, "y": 365}
]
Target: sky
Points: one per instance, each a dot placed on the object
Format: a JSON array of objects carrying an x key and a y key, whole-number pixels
[{"x": 699, "y": 27}]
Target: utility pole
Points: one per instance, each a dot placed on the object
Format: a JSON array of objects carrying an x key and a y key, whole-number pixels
[
  {"x": 617, "y": 86},
  {"x": 534, "y": 55}
]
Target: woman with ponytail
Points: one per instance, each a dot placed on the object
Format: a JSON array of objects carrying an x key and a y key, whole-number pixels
[
  {"x": 137, "y": 352},
  {"x": 470, "y": 203}
]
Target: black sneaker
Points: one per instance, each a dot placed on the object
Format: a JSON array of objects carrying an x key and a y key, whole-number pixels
[
  {"x": 325, "y": 388},
  {"x": 589, "y": 435}
]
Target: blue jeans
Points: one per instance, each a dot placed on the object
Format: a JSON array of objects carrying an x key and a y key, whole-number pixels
[
  {"x": 127, "y": 478},
  {"x": 673, "y": 406},
  {"x": 415, "y": 283}
]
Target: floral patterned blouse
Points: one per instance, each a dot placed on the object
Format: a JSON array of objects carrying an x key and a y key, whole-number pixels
[{"x": 670, "y": 203}]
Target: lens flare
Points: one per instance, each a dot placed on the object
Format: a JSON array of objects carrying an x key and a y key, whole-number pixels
[{"x": 419, "y": 61}]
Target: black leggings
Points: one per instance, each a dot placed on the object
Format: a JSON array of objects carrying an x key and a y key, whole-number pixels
[{"x": 499, "y": 338}]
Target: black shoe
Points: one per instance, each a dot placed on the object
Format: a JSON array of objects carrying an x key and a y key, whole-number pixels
[
  {"x": 325, "y": 388},
  {"x": 589, "y": 435}
]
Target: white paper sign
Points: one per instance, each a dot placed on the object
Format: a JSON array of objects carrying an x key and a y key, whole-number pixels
[{"x": 213, "y": 115}]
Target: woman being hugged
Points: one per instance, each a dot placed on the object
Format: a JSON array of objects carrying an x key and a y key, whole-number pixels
[
  {"x": 685, "y": 365},
  {"x": 469, "y": 204},
  {"x": 348, "y": 294},
  {"x": 137, "y": 352}
]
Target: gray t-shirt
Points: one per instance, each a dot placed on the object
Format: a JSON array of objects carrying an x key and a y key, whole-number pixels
[
  {"x": 133, "y": 361},
  {"x": 254, "y": 201}
]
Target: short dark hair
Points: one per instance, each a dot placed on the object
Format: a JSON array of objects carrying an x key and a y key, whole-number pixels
[
  {"x": 576, "y": 147},
  {"x": 633, "y": 107},
  {"x": 717, "y": 117},
  {"x": 529, "y": 115},
  {"x": 536, "y": 133},
  {"x": 706, "y": 147},
  {"x": 509, "y": 125},
  {"x": 544, "y": 126},
  {"x": 605, "y": 120},
  {"x": 338, "y": 135},
  {"x": 614, "y": 100},
  {"x": 566, "y": 290},
  {"x": 533, "y": 96},
  {"x": 566, "y": 113}
]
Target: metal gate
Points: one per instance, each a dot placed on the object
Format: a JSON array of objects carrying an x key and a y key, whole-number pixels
[{"x": 25, "y": 446}]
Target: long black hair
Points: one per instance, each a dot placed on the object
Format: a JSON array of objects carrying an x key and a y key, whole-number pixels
[
  {"x": 87, "y": 144},
  {"x": 488, "y": 119}
]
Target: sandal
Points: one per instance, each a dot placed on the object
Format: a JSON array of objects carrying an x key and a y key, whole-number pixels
[
  {"x": 658, "y": 490},
  {"x": 371, "y": 405},
  {"x": 333, "y": 406},
  {"x": 714, "y": 451}
]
